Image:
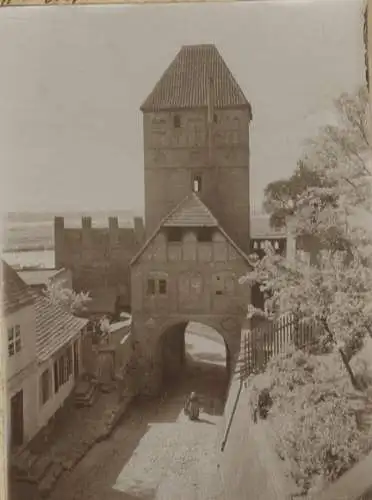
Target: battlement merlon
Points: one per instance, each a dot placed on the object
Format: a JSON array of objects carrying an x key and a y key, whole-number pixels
[{"x": 87, "y": 223}]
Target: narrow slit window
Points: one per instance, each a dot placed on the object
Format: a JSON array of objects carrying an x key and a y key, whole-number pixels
[
  {"x": 197, "y": 184},
  {"x": 150, "y": 286},
  {"x": 219, "y": 286},
  {"x": 162, "y": 287}
]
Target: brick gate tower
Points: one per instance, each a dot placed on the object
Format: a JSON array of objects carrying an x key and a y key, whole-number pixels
[{"x": 196, "y": 160}]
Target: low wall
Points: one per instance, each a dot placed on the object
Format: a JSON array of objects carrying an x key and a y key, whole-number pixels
[{"x": 248, "y": 463}]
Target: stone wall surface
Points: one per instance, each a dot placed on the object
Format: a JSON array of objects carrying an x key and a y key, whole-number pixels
[{"x": 98, "y": 258}]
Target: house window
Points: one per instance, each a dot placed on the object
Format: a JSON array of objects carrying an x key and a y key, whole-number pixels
[
  {"x": 205, "y": 234},
  {"x": 197, "y": 184},
  {"x": 56, "y": 377},
  {"x": 162, "y": 287},
  {"x": 150, "y": 286},
  {"x": 62, "y": 369},
  {"x": 14, "y": 340},
  {"x": 177, "y": 121},
  {"x": 175, "y": 234},
  {"x": 69, "y": 361},
  {"x": 45, "y": 386}
]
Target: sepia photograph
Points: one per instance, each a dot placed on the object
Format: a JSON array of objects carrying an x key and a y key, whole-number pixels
[{"x": 186, "y": 251}]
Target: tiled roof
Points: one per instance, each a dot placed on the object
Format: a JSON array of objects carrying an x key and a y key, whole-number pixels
[
  {"x": 191, "y": 213},
  {"x": 186, "y": 83},
  {"x": 55, "y": 327},
  {"x": 15, "y": 293},
  {"x": 261, "y": 228}
]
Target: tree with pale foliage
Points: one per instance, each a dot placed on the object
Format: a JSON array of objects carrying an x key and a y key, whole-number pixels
[
  {"x": 327, "y": 206},
  {"x": 316, "y": 417},
  {"x": 70, "y": 300},
  {"x": 334, "y": 172},
  {"x": 330, "y": 214}
]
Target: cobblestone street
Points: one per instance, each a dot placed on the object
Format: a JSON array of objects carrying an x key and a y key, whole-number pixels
[{"x": 156, "y": 452}]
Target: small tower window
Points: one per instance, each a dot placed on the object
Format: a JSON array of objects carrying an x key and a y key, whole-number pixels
[
  {"x": 162, "y": 287},
  {"x": 197, "y": 184},
  {"x": 219, "y": 286},
  {"x": 150, "y": 286},
  {"x": 177, "y": 121},
  {"x": 215, "y": 118}
]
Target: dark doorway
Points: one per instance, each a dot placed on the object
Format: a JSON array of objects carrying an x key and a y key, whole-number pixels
[
  {"x": 16, "y": 419},
  {"x": 195, "y": 358}
]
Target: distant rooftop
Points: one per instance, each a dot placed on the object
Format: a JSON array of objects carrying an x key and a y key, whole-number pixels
[
  {"x": 34, "y": 277},
  {"x": 261, "y": 228}
]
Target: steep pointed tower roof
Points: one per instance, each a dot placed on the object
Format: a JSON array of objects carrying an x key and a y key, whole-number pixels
[{"x": 186, "y": 82}]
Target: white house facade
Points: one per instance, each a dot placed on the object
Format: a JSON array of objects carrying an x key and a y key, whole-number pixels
[{"x": 19, "y": 344}]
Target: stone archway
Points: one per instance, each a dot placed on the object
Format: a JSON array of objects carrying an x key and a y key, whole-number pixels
[
  {"x": 194, "y": 356},
  {"x": 153, "y": 336}
]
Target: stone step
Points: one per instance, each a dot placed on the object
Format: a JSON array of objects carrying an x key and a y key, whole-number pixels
[
  {"x": 87, "y": 398},
  {"x": 51, "y": 477},
  {"x": 39, "y": 469},
  {"x": 22, "y": 463}
]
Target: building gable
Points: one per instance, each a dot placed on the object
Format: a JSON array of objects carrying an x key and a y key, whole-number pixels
[
  {"x": 190, "y": 215},
  {"x": 15, "y": 294}
]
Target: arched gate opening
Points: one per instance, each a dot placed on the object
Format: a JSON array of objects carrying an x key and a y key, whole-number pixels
[{"x": 195, "y": 357}]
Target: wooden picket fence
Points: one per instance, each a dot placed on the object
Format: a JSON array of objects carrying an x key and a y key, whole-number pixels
[{"x": 259, "y": 344}]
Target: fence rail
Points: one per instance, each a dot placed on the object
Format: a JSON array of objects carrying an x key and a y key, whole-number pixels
[{"x": 261, "y": 343}]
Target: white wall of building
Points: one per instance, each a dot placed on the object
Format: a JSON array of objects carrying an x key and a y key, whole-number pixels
[
  {"x": 21, "y": 369},
  {"x": 56, "y": 400}
]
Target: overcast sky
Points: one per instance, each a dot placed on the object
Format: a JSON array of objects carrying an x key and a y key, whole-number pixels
[{"x": 73, "y": 78}]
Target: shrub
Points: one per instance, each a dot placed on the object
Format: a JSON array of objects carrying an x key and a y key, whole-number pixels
[{"x": 314, "y": 416}]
